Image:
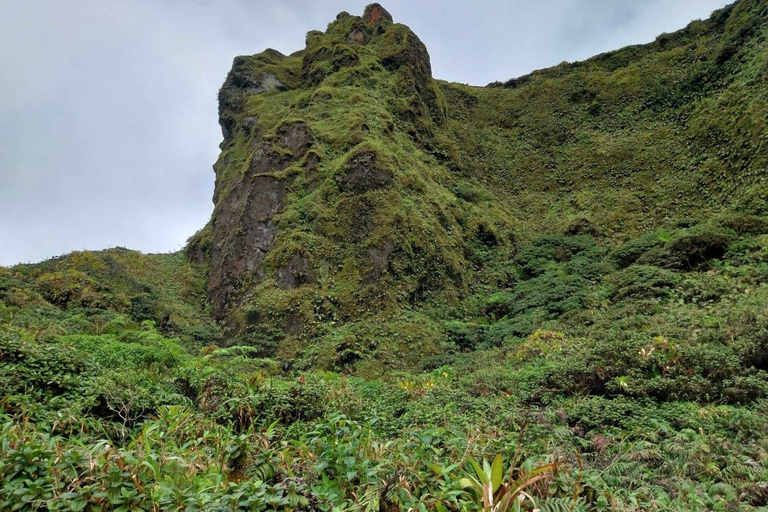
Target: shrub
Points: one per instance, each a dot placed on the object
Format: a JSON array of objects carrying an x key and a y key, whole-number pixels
[
  {"x": 70, "y": 286},
  {"x": 641, "y": 282},
  {"x": 304, "y": 399},
  {"x": 42, "y": 370},
  {"x": 553, "y": 293},
  {"x": 540, "y": 344},
  {"x": 632, "y": 250},
  {"x": 687, "y": 252},
  {"x": 143, "y": 307},
  {"x": 467, "y": 336},
  {"x": 264, "y": 339},
  {"x": 549, "y": 251}
]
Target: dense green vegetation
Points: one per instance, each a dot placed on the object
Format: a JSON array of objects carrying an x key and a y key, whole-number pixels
[
  {"x": 620, "y": 145},
  {"x": 547, "y": 293},
  {"x": 638, "y": 369}
]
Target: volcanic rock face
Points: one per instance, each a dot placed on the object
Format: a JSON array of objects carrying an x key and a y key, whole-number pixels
[
  {"x": 374, "y": 12},
  {"x": 243, "y": 227},
  {"x": 347, "y": 188},
  {"x": 362, "y": 174},
  {"x": 242, "y": 82},
  {"x": 315, "y": 171}
]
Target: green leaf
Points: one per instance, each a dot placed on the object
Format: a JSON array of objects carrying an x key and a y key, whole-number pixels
[
  {"x": 497, "y": 472},
  {"x": 478, "y": 470},
  {"x": 469, "y": 483}
]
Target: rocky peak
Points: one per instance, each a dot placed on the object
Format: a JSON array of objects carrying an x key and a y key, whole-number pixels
[
  {"x": 317, "y": 128},
  {"x": 374, "y": 12}
]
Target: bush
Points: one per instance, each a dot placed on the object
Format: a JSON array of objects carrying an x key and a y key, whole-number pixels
[
  {"x": 42, "y": 369},
  {"x": 642, "y": 282},
  {"x": 548, "y": 252},
  {"x": 143, "y": 307},
  {"x": 305, "y": 399},
  {"x": 129, "y": 350},
  {"x": 467, "y": 336},
  {"x": 632, "y": 250},
  {"x": 553, "y": 293},
  {"x": 687, "y": 252},
  {"x": 264, "y": 339}
]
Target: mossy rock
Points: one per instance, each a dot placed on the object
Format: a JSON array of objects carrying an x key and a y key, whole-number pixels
[
  {"x": 364, "y": 170},
  {"x": 409, "y": 192}
]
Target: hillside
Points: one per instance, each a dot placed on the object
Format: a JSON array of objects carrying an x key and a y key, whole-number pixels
[
  {"x": 564, "y": 274},
  {"x": 353, "y": 187}
]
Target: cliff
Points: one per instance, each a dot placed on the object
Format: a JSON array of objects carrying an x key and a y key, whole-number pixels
[{"x": 353, "y": 185}]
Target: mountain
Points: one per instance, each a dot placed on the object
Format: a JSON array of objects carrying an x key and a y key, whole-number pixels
[
  {"x": 353, "y": 187},
  {"x": 549, "y": 293}
]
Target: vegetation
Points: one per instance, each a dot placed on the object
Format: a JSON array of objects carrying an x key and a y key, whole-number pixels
[
  {"x": 547, "y": 294},
  {"x": 605, "y": 385}
]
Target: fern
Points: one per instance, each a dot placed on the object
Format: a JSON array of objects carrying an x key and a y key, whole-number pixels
[
  {"x": 722, "y": 490},
  {"x": 261, "y": 468},
  {"x": 562, "y": 505}
]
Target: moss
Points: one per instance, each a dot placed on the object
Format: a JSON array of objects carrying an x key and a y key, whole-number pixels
[
  {"x": 456, "y": 179},
  {"x": 199, "y": 245},
  {"x": 574, "y": 256}
]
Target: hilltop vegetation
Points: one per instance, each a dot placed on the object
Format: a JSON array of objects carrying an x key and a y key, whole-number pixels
[
  {"x": 353, "y": 187},
  {"x": 564, "y": 274}
]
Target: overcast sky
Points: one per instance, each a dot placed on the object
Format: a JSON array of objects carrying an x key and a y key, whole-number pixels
[{"x": 108, "y": 124}]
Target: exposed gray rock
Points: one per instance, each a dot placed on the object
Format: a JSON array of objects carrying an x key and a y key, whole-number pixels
[
  {"x": 296, "y": 137},
  {"x": 357, "y": 36},
  {"x": 241, "y": 82},
  {"x": 297, "y": 272},
  {"x": 242, "y": 220},
  {"x": 379, "y": 257},
  {"x": 362, "y": 174},
  {"x": 251, "y": 124},
  {"x": 293, "y": 323},
  {"x": 313, "y": 162},
  {"x": 270, "y": 157},
  {"x": 263, "y": 83}
]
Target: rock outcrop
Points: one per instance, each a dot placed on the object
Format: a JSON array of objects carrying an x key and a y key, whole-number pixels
[
  {"x": 318, "y": 169},
  {"x": 363, "y": 172},
  {"x": 351, "y": 183},
  {"x": 243, "y": 227}
]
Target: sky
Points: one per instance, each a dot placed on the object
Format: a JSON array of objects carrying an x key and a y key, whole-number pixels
[{"x": 108, "y": 114}]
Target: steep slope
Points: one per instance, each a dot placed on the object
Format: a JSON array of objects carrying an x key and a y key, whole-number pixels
[
  {"x": 354, "y": 189},
  {"x": 630, "y": 139},
  {"x": 329, "y": 203},
  {"x": 567, "y": 272},
  {"x": 112, "y": 291}
]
